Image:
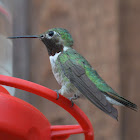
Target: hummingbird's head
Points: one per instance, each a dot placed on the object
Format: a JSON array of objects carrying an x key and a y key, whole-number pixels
[{"x": 55, "y": 39}]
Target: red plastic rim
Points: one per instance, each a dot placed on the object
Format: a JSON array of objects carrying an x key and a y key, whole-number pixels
[{"x": 51, "y": 95}]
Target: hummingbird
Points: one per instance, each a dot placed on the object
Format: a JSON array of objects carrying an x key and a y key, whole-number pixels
[{"x": 75, "y": 75}]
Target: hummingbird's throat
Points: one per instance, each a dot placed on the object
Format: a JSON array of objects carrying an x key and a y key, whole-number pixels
[{"x": 52, "y": 47}]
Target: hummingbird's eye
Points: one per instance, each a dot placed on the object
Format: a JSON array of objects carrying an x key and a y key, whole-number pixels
[{"x": 51, "y": 33}]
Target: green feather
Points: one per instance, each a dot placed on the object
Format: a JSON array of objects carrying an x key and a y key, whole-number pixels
[{"x": 90, "y": 72}]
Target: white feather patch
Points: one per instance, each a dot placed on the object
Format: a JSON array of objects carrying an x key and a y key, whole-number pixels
[
  {"x": 54, "y": 58},
  {"x": 112, "y": 101}
]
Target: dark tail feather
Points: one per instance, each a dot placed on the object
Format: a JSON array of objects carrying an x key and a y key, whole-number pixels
[
  {"x": 124, "y": 102},
  {"x": 128, "y": 104}
]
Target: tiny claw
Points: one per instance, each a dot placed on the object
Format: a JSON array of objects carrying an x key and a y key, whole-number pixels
[
  {"x": 72, "y": 103},
  {"x": 57, "y": 94},
  {"x": 73, "y": 98}
]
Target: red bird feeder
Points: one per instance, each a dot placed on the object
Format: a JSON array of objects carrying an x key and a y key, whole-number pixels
[{"x": 21, "y": 121}]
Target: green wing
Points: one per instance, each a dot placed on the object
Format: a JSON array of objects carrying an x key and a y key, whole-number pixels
[
  {"x": 76, "y": 59},
  {"x": 72, "y": 55},
  {"x": 78, "y": 77}
]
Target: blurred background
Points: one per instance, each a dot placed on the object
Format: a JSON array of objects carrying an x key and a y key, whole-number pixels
[{"x": 106, "y": 33}]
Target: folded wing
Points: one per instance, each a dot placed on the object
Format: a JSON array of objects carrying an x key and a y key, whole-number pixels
[{"x": 77, "y": 76}]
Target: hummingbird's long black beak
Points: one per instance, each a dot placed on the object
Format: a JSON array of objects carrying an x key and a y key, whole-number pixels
[{"x": 26, "y": 36}]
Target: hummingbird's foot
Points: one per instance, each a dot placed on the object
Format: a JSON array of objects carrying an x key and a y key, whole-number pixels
[
  {"x": 57, "y": 91},
  {"x": 73, "y": 98}
]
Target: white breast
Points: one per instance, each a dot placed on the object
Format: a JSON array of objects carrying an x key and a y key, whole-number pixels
[
  {"x": 59, "y": 76},
  {"x": 54, "y": 58},
  {"x": 55, "y": 70}
]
